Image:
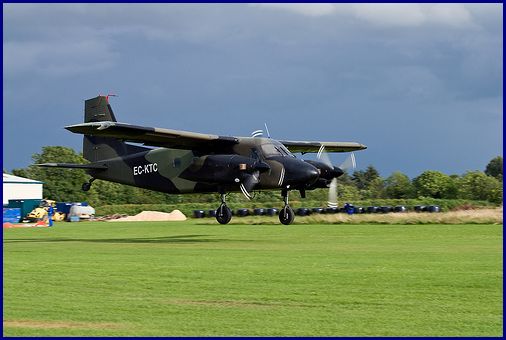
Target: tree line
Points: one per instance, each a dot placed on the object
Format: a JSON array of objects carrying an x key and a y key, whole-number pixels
[{"x": 65, "y": 185}]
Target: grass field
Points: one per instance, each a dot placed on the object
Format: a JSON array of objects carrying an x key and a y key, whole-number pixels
[{"x": 161, "y": 279}]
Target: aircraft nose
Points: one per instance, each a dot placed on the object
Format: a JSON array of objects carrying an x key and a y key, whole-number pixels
[
  {"x": 302, "y": 173},
  {"x": 337, "y": 172},
  {"x": 311, "y": 173}
]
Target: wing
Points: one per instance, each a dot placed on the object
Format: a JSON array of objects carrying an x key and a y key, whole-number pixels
[
  {"x": 307, "y": 147},
  {"x": 167, "y": 138}
]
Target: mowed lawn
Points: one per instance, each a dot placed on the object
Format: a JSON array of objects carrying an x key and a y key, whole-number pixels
[{"x": 180, "y": 278}]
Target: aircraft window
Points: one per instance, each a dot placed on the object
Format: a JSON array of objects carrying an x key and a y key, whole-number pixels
[
  {"x": 278, "y": 149},
  {"x": 254, "y": 154},
  {"x": 177, "y": 162},
  {"x": 269, "y": 150},
  {"x": 285, "y": 151}
]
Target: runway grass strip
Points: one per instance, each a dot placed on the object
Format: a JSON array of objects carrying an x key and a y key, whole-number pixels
[{"x": 162, "y": 279}]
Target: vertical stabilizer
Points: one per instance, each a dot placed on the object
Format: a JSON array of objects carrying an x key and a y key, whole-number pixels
[{"x": 96, "y": 149}]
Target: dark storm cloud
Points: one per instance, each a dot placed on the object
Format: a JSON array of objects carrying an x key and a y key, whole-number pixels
[{"x": 421, "y": 85}]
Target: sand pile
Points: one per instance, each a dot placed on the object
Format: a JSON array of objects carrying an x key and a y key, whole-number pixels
[{"x": 175, "y": 215}]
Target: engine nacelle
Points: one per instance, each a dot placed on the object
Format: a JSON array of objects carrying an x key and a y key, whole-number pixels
[
  {"x": 327, "y": 173},
  {"x": 222, "y": 169}
]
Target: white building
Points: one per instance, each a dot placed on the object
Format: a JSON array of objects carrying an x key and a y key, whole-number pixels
[{"x": 19, "y": 188}]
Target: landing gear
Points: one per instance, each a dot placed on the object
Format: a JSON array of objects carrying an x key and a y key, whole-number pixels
[
  {"x": 286, "y": 215},
  {"x": 223, "y": 213},
  {"x": 87, "y": 186}
]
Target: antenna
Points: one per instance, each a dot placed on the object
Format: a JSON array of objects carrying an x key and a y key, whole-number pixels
[{"x": 267, "y": 130}]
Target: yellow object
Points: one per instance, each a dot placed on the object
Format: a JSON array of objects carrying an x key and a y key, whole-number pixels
[{"x": 40, "y": 213}]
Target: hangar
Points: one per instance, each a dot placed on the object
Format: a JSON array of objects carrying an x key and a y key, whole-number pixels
[{"x": 19, "y": 188}]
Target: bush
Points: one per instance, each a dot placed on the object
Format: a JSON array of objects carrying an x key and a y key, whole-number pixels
[{"x": 187, "y": 208}]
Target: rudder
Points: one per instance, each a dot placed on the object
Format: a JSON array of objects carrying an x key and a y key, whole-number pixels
[
  {"x": 96, "y": 149},
  {"x": 98, "y": 110}
]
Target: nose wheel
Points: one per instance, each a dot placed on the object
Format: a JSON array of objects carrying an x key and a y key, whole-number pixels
[
  {"x": 223, "y": 213},
  {"x": 286, "y": 215}
]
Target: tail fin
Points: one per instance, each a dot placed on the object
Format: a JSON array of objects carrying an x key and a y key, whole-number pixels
[
  {"x": 98, "y": 110},
  {"x": 95, "y": 149}
]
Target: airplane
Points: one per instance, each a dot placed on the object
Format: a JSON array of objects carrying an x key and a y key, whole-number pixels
[{"x": 182, "y": 162}]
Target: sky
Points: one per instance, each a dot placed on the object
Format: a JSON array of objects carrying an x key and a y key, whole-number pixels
[{"x": 420, "y": 84}]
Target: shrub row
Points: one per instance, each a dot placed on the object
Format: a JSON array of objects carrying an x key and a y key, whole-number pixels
[{"x": 188, "y": 208}]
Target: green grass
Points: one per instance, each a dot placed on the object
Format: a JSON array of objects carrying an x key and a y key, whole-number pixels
[{"x": 161, "y": 279}]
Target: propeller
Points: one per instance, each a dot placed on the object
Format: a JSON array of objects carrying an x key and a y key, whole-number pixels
[
  {"x": 249, "y": 183},
  {"x": 250, "y": 179},
  {"x": 349, "y": 163}
]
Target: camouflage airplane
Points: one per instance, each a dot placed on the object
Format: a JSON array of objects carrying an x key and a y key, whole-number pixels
[{"x": 186, "y": 162}]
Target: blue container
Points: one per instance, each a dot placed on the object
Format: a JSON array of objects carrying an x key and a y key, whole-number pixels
[
  {"x": 349, "y": 209},
  {"x": 64, "y": 207},
  {"x": 11, "y": 215},
  {"x": 26, "y": 206}
]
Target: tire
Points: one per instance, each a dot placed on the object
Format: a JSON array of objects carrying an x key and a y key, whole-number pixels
[
  {"x": 303, "y": 212},
  {"x": 271, "y": 212},
  {"x": 242, "y": 212},
  {"x": 198, "y": 213},
  {"x": 223, "y": 214},
  {"x": 259, "y": 211},
  {"x": 86, "y": 186},
  {"x": 286, "y": 215}
]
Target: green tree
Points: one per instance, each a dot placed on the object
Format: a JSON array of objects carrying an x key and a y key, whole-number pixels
[
  {"x": 432, "y": 183},
  {"x": 345, "y": 179},
  {"x": 452, "y": 189},
  {"x": 371, "y": 174},
  {"x": 494, "y": 168},
  {"x": 398, "y": 185},
  {"x": 475, "y": 185},
  {"x": 346, "y": 193},
  {"x": 376, "y": 188},
  {"x": 362, "y": 178}
]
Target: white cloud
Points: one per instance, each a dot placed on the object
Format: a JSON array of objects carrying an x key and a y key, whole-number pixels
[
  {"x": 450, "y": 14},
  {"x": 385, "y": 14},
  {"x": 389, "y": 14},
  {"x": 314, "y": 10}
]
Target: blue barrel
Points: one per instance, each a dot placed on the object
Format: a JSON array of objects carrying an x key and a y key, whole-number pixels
[{"x": 11, "y": 215}]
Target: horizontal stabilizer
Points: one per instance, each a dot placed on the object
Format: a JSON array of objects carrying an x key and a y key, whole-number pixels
[{"x": 73, "y": 166}]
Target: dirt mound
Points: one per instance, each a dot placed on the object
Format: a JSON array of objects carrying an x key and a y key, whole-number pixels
[{"x": 175, "y": 215}]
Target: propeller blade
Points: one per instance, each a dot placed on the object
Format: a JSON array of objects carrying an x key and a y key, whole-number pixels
[
  {"x": 324, "y": 156},
  {"x": 249, "y": 183},
  {"x": 349, "y": 163},
  {"x": 332, "y": 202}
]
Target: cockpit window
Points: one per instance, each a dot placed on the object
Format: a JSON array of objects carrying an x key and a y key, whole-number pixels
[
  {"x": 272, "y": 148},
  {"x": 254, "y": 154}
]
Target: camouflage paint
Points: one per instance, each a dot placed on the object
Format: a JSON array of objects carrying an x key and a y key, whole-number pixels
[{"x": 187, "y": 162}]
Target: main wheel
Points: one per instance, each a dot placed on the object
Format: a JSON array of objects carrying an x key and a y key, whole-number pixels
[
  {"x": 86, "y": 186},
  {"x": 286, "y": 215},
  {"x": 223, "y": 214}
]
